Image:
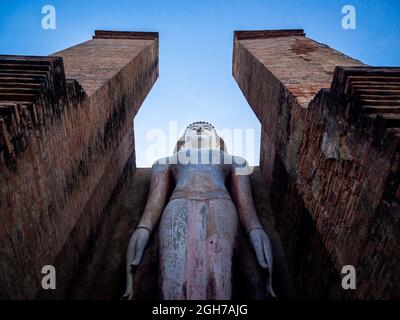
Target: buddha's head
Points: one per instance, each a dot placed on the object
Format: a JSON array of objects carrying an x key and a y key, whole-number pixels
[{"x": 200, "y": 135}]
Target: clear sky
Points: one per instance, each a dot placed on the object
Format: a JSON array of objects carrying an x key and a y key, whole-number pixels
[{"x": 196, "y": 40}]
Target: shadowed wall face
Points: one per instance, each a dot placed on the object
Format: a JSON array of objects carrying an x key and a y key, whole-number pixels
[
  {"x": 329, "y": 153},
  {"x": 67, "y": 148}
]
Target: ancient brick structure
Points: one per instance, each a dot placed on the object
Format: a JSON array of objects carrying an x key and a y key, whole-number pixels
[
  {"x": 66, "y": 154},
  {"x": 330, "y": 156},
  {"x": 70, "y": 197}
]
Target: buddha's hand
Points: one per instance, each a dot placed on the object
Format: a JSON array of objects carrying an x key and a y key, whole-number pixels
[
  {"x": 134, "y": 255},
  {"x": 262, "y": 247}
]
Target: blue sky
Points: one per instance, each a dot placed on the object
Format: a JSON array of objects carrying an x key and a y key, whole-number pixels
[{"x": 196, "y": 80}]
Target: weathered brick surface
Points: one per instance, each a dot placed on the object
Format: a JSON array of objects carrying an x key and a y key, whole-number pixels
[
  {"x": 63, "y": 164},
  {"x": 351, "y": 192},
  {"x": 329, "y": 152}
]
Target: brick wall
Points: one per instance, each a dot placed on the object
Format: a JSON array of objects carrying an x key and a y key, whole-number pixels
[
  {"x": 330, "y": 155},
  {"x": 66, "y": 150}
]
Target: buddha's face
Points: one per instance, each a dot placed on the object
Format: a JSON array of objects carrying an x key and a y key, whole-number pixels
[{"x": 201, "y": 135}]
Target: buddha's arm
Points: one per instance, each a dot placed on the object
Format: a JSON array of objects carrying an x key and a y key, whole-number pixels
[
  {"x": 158, "y": 192},
  {"x": 159, "y": 187},
  {"x": 243, "y": 199}
]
